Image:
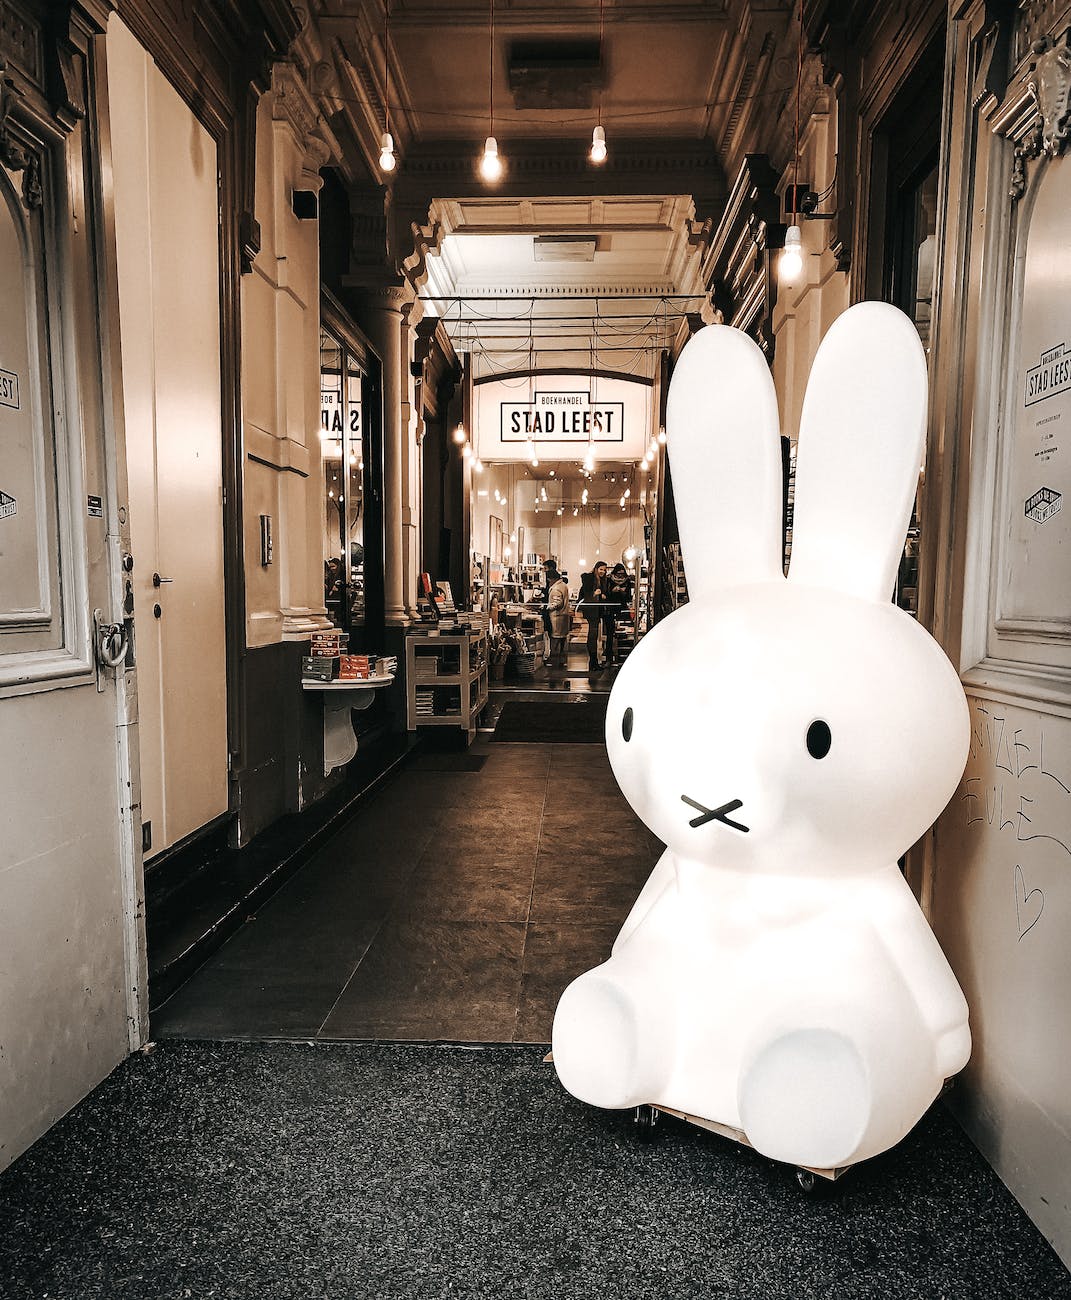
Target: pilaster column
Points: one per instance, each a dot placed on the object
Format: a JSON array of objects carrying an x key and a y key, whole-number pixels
[{"x": 383, "y": 314}]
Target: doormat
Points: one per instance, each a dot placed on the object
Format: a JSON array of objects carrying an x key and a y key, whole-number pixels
[
  {"x": 541, "y": 722},
  {"x": 447, "y": 762}
]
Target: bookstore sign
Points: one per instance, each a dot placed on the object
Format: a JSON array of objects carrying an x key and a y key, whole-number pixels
[{"x": 562, "y": 417}]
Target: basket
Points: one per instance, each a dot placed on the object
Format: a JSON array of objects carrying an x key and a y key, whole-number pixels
[{"x": 524, "y": 664}]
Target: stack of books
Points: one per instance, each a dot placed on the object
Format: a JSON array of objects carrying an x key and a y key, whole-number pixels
[
  {"x": 355, "y": 668},
  {"x": 425, "y": 703},
  {"x": 321, "y": 664}
]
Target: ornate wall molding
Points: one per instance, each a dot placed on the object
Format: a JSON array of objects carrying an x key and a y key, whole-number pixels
[
  {"x": 738, "y": 266},
  {"x": 1036, "y": 117},
  {"x": 16, "y": 156}
]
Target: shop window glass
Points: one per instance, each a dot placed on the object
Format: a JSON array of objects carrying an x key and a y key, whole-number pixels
[
  {"x": 342, "y": 457},
  {"x": 332, "y": 445}
]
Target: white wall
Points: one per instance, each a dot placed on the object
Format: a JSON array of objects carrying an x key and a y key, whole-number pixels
[{"x": 281, "y": 378}]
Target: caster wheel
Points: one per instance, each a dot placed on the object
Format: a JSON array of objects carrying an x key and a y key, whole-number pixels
[
  {"x": 809, "y": 1183},
  {"x": 646, "y": 1121}
]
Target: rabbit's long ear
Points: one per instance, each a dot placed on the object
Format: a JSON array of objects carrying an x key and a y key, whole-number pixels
[
  {"x": 725, "y": 456},
  {"x": 862, "y": 432}
]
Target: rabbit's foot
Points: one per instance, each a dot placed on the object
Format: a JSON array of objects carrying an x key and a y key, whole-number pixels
[
  {"x": 609, "y": 1047},
  {"x": 805, "y": 1098}
]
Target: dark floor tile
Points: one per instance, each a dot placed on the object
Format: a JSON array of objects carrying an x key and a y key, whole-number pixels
[
  {"x": 266, "y": 999},
  {"x": 444, "y": 980},
  {"x": 589, "y": 890},
  {"x": 522, "y": 836},
  {"x": 554, "y": 955},
  {"x": 593, "y": 837},
  {"x": 511, "y": 817},
  {"x": 465, "y": 890}
]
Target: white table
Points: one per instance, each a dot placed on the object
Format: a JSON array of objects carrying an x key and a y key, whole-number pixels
[{"x": 340, "y": 700}]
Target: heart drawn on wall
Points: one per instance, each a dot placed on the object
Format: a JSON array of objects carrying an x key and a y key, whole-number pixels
[{"x": 1028, "y": 906}]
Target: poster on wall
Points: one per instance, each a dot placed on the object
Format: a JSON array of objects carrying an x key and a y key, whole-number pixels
[{"x": 1036, "y": 573}]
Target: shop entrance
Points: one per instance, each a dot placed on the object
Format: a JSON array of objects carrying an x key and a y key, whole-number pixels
[{"x": 533, "y": 521}]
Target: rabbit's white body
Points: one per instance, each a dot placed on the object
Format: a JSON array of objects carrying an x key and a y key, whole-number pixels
[{"x": 788, "y": 741}]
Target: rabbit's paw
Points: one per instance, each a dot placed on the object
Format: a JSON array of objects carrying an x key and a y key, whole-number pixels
[
  {"x": 805, "y": 1098},
  {"x": 608, "y": 1050}
]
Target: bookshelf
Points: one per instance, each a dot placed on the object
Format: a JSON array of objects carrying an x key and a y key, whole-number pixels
[{"x": 446, "y": 679}]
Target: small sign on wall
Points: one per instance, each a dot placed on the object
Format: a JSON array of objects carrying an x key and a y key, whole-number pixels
[
  {"x": 8, "y": 506},
  {"x": 9, "y": 389}
]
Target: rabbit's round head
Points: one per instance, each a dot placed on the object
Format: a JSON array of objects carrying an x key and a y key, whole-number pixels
[{"x": 800, "y": 725}]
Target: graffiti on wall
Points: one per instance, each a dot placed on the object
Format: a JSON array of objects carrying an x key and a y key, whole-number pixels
[{"x": 1017, "y": 790}]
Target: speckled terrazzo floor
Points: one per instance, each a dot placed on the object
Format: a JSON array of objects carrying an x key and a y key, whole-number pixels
[{"x": 344, "y": 1171}]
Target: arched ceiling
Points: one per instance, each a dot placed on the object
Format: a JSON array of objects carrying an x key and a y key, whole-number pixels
[{"x": 575, "y": 263}]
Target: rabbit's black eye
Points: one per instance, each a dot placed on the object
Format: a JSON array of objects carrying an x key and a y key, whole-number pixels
[
  {"x": 626, "y": 724},
  {"x": 819, "y": 739}
]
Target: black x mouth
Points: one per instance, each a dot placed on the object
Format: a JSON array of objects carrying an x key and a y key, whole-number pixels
[{"x": 715, "y": 814}]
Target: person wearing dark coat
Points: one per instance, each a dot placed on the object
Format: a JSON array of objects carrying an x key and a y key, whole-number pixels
[
  {"x": 592, "y": 602},
  {"x": 618, "y": 603}
]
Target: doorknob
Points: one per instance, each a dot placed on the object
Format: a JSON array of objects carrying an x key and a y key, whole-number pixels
[{"x": 157, "y": 581}]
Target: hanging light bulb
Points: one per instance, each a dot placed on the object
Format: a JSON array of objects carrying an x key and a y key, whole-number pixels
[
  {"x": 589, "y": 460},
  {"x": 477, "y": 465},
  {"x": 598, "y": 145},
  {"x": 460, "y": 435},
  {"x": 490, "y": 163},
  {"x": 466, "y": 451},
  {"x": 662, "y": 434},
  {"x": 387, "y": 160},
  {"x": 628, "y": 493},
  {"x": 791, "y": 263}
]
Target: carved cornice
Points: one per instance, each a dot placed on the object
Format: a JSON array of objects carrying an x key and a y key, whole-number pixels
[
  {"x": 294, "y": 105},
  {"x": 1036, "y": 117},
  {"x": 15, "y": 155},
  {"x": 738, "y": 266}
]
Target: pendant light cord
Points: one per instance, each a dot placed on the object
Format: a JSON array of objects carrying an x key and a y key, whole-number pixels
[
  {"x": 491, "y": 70},
  {"x": 386, "y": 67},
  {"x": 799, "y": 93},
  {"x": 602, "y": 72}
]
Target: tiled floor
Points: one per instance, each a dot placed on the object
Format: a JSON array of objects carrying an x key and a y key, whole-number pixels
[{"x": 456, "y": 906}]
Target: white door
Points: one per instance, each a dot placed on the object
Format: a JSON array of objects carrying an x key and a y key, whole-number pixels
[
  {"x": 70, "y": 966},
  {"x": 167, "y": 244}
]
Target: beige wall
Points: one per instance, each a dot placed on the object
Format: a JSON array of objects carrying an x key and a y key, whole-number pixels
[
  {"x": 280, "y": 376},
  {"x": 1002, "y": 861}
]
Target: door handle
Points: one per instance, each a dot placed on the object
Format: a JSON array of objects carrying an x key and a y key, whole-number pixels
[
  {"x": 157, "y": 581},
  {"x": 110, "y": 645}
]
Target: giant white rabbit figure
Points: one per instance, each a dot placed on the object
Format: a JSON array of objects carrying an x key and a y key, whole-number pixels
[{"x": 788, "y": 740}]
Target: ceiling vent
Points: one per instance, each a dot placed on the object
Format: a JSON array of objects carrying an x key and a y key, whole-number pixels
[
  {"x": 555, "y": 74},
  {"x": 564, "y": 248}
]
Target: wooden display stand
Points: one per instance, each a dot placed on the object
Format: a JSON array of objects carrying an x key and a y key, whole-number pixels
[{"x": 446, "y": 679}]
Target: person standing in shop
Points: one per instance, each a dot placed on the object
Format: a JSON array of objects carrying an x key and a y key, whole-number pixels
[
  {"x": 618, "y": 604},
  {"x": 550, "y": 577},
  {"x": 561, "y": 620},
  {"x": 592, "y": 602}
]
